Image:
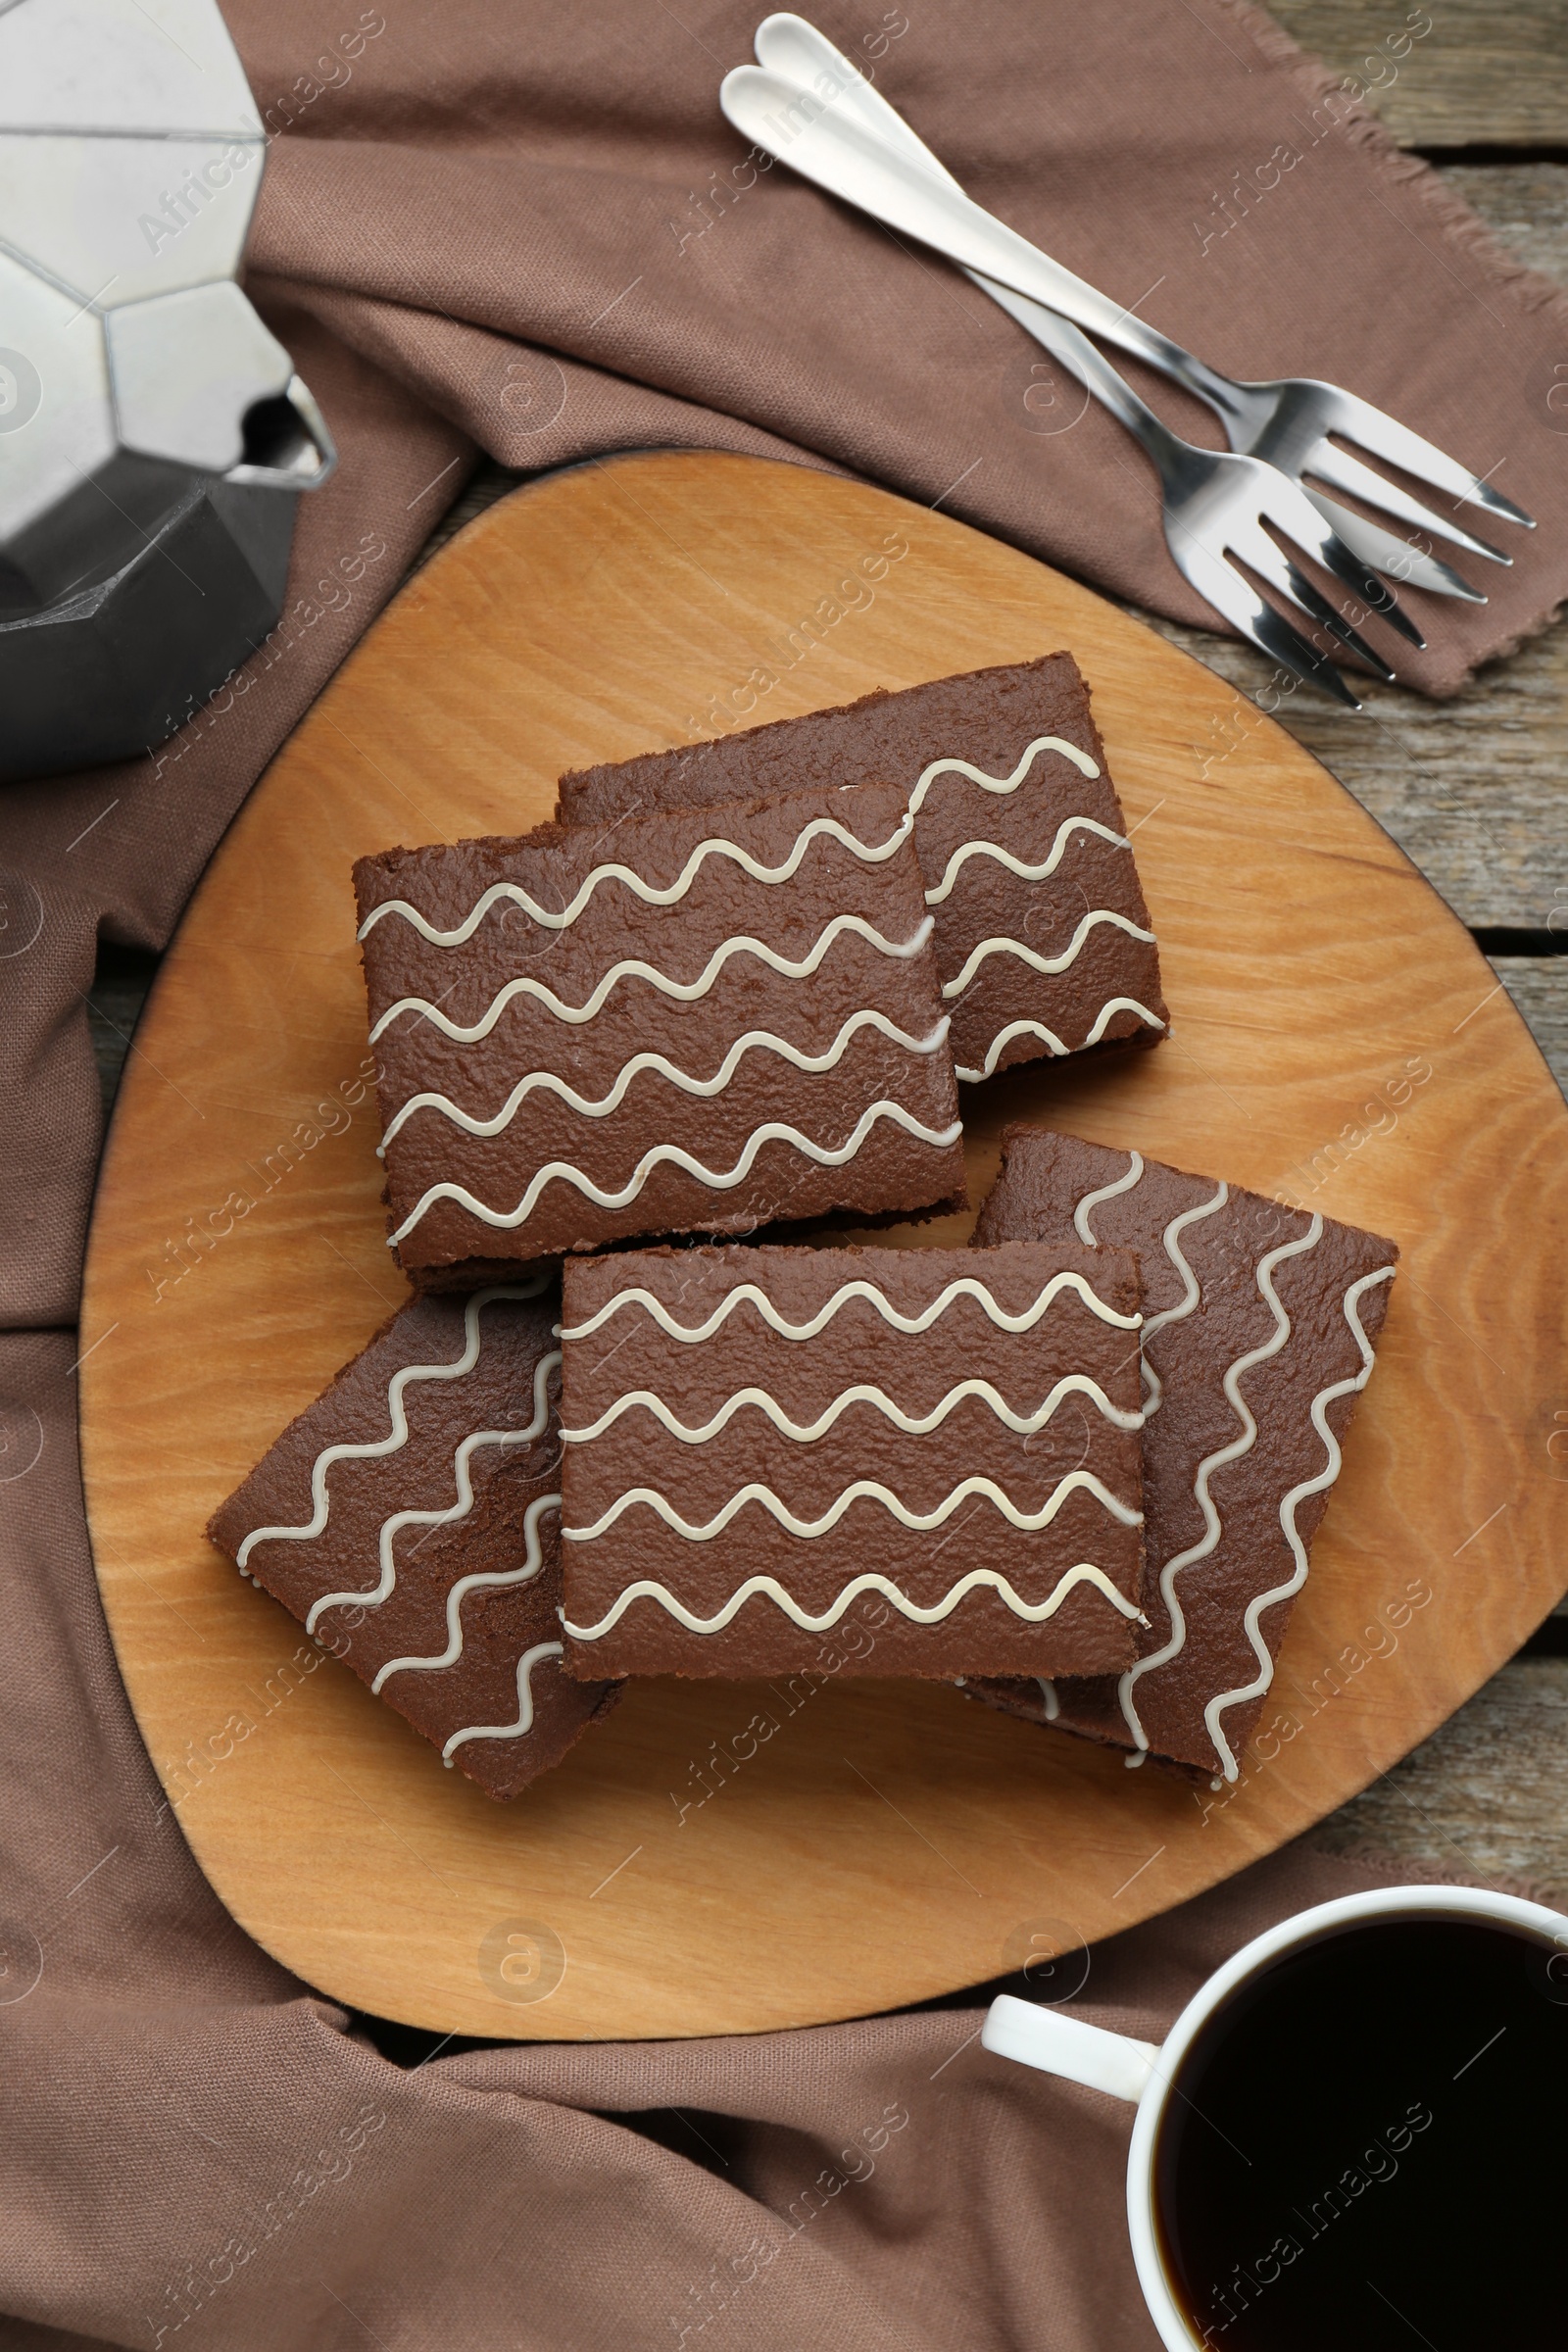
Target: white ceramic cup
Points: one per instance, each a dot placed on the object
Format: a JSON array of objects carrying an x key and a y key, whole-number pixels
[{"x": 1142, "y": 2073}]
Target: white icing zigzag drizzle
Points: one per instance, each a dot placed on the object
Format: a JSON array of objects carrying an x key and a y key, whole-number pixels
[
  {"x": 1015, "y": 865},
  {"x": 1059, "y": 1045},
  {"x": 502, "y": 893},
  {"x": 1107, "y": 1191},
  {"x": 1216, "y": 1461},
  {"x": 398, "y": 1434},
  {"x": 977, "y": 775},
  {"x": 1177, "y": 1226},
  {"x": 684, "y": 992},
  {"x": 1288, "y": 1510},
  {"x": 1023, "y": 1424},
  {"x": 525, "y": 1723},
  {"x": 867, "y": 1490},
  {"x": 1189, "y": 1288},
  {"x": 758, "y": 1040},
  {"x": 1032, "y": 1612},
  {"x": 965, "y": 1287},
  {"x": 672, "y": 1155},
  {"x": 533, "y": 1561},
  {"x": 390, "y": 1528},
  {"x": 1048, "y": 964}
]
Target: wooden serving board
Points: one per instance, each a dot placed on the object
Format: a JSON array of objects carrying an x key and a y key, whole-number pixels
[{"x": 724, "y": 1858}]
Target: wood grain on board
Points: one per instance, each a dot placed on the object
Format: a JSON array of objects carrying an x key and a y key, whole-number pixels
[{"x": 683, "y": 1873}]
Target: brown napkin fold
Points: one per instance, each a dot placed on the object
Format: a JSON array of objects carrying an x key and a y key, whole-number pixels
[{"x": 196, "y": 2151}]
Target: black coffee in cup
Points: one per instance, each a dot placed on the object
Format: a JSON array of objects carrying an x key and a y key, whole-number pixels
[{"x": 1366, "y": 2148}]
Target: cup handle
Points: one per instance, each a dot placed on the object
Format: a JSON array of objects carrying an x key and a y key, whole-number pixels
[{"x": 1063, "y": 2045}]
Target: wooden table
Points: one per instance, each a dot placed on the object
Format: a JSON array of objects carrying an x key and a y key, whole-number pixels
[{"x": 1473, "y": 790}]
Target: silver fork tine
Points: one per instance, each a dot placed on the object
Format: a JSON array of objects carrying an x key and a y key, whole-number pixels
[
  {"x": 1387, "y": 438},
  {"x": 1385, "y": 552},
  {"x": 1342, "y": 471},
  {"x": 1299, "y": 590},
  {"x": 1290, "y": 510},
  {"x": 1258, "y": 552},
  {"x": 1223, "y": 587}
]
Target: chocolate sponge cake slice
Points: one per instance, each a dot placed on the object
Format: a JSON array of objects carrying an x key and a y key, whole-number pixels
[
  {"x": 411, "y": 1518},
  {"x": 762, "y": 1443},
  {"x": 1042, "y": 938},
  {"x": 702, "y": 1022},
  {"x": 1259, "y": 1328}
]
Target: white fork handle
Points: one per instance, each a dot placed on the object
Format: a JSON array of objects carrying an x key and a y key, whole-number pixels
[
  {"x": 788, "y": 45},
  {"x": 791, "y": 48},
  {"x": 825, "y": 143},
  {"x": 849, "y": 162},
  {"x": 1065, "y": 2046}
]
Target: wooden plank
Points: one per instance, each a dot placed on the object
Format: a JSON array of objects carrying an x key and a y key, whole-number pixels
[
  {"x": 1524, "y": 204},
  {"x": 580, "y": 621},
  {"x": 1482, "y": 1797},
  {"x": 1478, "y": 75},
  {"x": 1539, "y": 986}
]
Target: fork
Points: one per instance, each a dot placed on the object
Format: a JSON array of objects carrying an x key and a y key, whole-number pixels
[
  {"x": 1215, "y": 506},
  {"x": 1287, "y": 423},
  {"x": 1215, "y": 503}
]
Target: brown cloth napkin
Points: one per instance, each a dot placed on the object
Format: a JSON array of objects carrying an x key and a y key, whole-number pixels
[{"x": 196, "y": 2150}]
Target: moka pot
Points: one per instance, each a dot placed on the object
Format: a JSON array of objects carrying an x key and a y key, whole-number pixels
[{"x": 153, "y": 433}]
